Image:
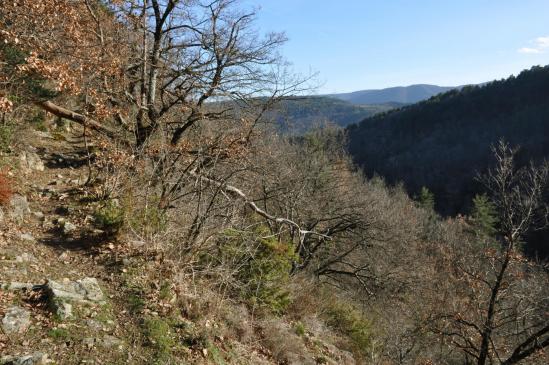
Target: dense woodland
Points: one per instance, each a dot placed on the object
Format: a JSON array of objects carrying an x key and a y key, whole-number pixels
[
  {"x": 252, "y": 246},
  {"x": 444, "y": 142}
]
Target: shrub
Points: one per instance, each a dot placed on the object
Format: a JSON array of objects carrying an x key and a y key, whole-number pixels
[
  {"x": 6, "y": 137},
  {"x": 160, "y": 336},
  {"x": 349, "y": 321},
  {"x": 148, "y": 221},
  {"x": 110, "y": 217},
  {"x": 299, "y": 329},
  {"x": 264, "y": 266},
  {"x": 5, "y": 189}
]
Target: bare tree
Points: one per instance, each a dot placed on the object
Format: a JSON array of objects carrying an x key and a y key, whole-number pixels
[{"x": 498, "y": 312}]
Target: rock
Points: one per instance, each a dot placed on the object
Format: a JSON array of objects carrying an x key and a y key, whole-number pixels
[
  {"x": 64, "y": 310},
  {"x": 84, "y": 290},
  {"x": 19, "y": 206},
  {"x": 94, "y": 325},
  {"x": 26, "y": 257},
  {"x": 26, "y": 237},
  {"x": 39, "y": 216},
  {"x": 1, "y": 215},
  {"x": 31, "y": 161},
  {"x": 16, "y": 320},
  {"x": 88, "y": 341},
  {"x": 68, "y": 227},
  {"x": 14, "y": 286},
  {"x": 112, "y": 342},
  {"x": 38, "y": 358}
]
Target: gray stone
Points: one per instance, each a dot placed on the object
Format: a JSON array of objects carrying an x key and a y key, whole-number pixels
[
  {"x": 26, "y": 237},
  {"x": 26, "y": 257},
  {"x": 14, "y": 286},
  {"x": 64, "y": 310},
  {"x": 16, "y": 320},
  {"x": 19, "y": 206},
  {"x": 31, "y": 161},
  {"x": 68, "y": 227},
  {"x": 38, "y": 358},
  {"x": 112, "y": 342},
  {"x": 39, "y": 216},
  {"x": 88, "y": 341},
  {"x": 94, "y": 325},
  {"x": 84, "y": 290}
]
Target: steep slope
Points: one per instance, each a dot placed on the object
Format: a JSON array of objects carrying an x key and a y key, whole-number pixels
[
  {"x": 443, "y": 142},
  {"x": 401, "y": 94}
]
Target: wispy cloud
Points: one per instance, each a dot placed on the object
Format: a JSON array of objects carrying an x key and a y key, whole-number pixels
[{"x": 537, "y": 46}]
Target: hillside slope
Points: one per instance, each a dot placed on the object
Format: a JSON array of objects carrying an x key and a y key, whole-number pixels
[
  {"x": 400, "y": 94},
  {"x": 443, "y": 142},
  {"x": 302, "y": 114}
]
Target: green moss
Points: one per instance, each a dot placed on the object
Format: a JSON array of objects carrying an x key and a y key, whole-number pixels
[
  {"x": 165, "y": 291},
  {"x": 215, "y": 355}
]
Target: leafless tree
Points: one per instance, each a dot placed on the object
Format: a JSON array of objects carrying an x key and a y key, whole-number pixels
[{"x": 498, "y": 309}]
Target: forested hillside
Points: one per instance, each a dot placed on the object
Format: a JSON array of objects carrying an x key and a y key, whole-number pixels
[
  {"x": 442, "y": 143},
  {"x": 150, "y": 213},
  {"x": 302, "y": 114}
]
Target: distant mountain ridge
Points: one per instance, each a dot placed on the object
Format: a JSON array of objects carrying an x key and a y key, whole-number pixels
[{"x": 399, "y": 94}]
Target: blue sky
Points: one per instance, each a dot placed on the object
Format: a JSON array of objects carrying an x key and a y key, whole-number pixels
[{"x": 365, "y": 44}]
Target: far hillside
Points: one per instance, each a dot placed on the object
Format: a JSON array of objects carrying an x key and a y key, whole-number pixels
[
  {"x": 400, "y": 94},
  {"x": 443, "y": 142},
  {"x": 302, "y": 113}
]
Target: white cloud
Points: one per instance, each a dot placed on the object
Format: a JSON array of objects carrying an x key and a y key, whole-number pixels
[
  {"x": 538, "y": 45},
  {"x": 529, "y": 50}
]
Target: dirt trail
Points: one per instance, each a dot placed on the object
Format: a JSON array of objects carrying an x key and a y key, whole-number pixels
[{"x": 56, "y": 240}]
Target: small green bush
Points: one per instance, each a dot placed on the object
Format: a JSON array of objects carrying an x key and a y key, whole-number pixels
[
  {"x": 147, "y": 220},
  {"x": 264, "y": 266},
  {"x": 109, "y": 217},
  {"x": 38, "y": 121},
  {"x": 299, "y": 329},
  {"x": 160, "y": 336},
  {"x": 59, "y": 334},
  {"x": 351, "y": 322},
  {"x": 6, "y": 137}
]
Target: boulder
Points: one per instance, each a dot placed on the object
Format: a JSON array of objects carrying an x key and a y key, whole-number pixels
[
  {"x": 16, "y": 320},
  {"x": 38, "y": 358},
  {"x": 26, "y": 237},
  {"x": 19, "y": 206},
  {"x": 31, "y": 161},
  {"x": 84, "y": 290},
  {"x": 68, "y": 227}
]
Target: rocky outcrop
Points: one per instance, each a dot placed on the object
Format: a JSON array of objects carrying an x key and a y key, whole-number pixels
[
  {"x": 31, "y": 161},
  {"x": 18, "y": 207},
  {"x": 38, "y": 358},
  {"x": 16, "y": 320},
  {"x": 62, "y": 293},
  {"x": 85, "y": 290}
]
